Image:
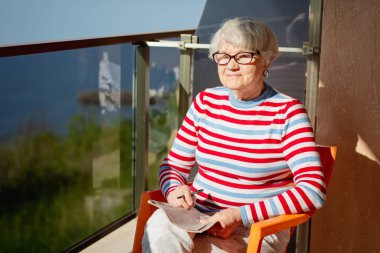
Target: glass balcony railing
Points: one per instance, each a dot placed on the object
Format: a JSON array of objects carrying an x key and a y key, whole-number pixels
[{"x": 68, "y": 141}]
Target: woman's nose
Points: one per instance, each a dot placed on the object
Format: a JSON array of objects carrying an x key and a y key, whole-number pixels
[{"x": 232, "y": 64}]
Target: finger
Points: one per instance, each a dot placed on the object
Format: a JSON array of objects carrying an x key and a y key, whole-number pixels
[
  {"x": 182, "y": 203},
  {"x": 188, "y": 198}
]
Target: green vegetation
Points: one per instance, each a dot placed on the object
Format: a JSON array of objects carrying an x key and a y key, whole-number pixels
[
  {"x": 56, "y": 191},
  {"x": 163, "y": 126},
  {"x": 48, "y": 195}
]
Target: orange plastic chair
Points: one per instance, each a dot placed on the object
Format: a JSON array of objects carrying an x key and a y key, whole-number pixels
[{"x": 258, "y": 230}]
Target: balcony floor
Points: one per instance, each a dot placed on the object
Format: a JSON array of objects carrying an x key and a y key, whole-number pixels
[{"x": 119, "y": 241}]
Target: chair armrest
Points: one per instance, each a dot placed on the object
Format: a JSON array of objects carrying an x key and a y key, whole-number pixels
[
  {"x": 144, "y": 212},
  {"x": 271, "y": 226}
]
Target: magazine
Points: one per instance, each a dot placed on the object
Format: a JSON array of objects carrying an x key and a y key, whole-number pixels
[{"x": 189, "y": 220}]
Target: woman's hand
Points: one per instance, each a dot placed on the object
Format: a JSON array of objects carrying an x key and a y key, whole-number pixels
[
  {"x": 185, "y": 200},
  {"x": 226, "y": 222}
]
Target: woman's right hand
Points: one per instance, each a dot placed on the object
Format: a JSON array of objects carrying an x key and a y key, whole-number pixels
[{"x": 186, "y": 201}]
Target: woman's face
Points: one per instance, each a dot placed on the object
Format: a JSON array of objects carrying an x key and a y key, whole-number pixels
[{"x": 246, "y": 81}]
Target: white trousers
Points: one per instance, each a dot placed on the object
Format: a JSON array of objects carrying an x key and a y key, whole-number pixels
[{"x": 161, "y": 236}]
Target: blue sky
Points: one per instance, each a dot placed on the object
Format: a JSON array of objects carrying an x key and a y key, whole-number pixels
[{"x": 28, "y": 22}]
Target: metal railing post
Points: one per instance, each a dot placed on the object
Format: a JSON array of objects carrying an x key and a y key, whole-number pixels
[
  {"x": 141, "y": 126},
  {"x": 311, "y": 50},
  {"x": 185, "y": 76}
]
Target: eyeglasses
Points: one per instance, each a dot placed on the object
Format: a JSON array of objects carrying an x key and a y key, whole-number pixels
[{"x": 243, "y": 58}]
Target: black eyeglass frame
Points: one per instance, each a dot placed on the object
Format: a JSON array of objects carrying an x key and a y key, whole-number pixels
[{"x": 234, "y": 56}]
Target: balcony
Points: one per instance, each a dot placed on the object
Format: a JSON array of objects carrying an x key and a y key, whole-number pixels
[{"x": 83, "y": 116}]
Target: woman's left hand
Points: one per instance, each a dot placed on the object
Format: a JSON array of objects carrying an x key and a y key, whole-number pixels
[{"x": 226, "y": 222}]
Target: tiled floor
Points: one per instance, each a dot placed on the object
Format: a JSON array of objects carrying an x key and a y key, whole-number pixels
[{"x": 119, "y": 241}]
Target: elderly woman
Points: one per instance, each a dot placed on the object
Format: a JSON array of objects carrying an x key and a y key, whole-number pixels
[{"x": 254, "y": 147}]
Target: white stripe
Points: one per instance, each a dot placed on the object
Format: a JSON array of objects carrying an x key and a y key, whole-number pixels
[
  {"x": 300, "y": 200},
  {"x": 249, "y": 214},
  {"x": 290, "y": 203},
  {"x": 281, "y": 209},
  {"x": 258, "y": 211}
]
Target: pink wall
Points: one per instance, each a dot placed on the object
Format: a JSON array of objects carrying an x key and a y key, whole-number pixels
[{"x": 349, "y": 117}]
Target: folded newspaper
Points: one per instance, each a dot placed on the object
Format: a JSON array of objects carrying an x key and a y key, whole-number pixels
[{"x": 189, "y": 220}]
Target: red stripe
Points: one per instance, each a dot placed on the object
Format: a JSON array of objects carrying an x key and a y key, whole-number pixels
[
  {"x": 297, "y": 131},
  {"x": 166, "y": 171},
  {"x": 188, "y": 131},
  {"x": 248, "y": 178},
  {"x": 188, "y": 121},
  {"x": 299, "y": 151},
  {"x": 308, "y": 176},
  {"x": 239, "y": 112},
  {"x": 299, "y": 141},
  {"x": 306, "y": 170},
  {"x": 238, "y": 121},
  {"x": 266, "y": 103},
  {"x": 315, "y": 184},
  {"x": 292, "y": 103},
  {"x": 198, "y": 108},
  {"x": 182, "y": 158},
  {"x": 305, "y": 198},
  {"x": 164, "y": 179},
  {"x": 275, "y": 104},
  {"x": 296, "y": 112},
  {"x": 263, "y": 210},
  {"x": 214, "y": 96},
  {"x": 240, "y": 148},
  {"x": 185, "y": 140},
  {"x": 171, "y": 166},
  {"x": 284, "y": 204},
  {"x": 254, "y": 213},
  {"x": 237, "y": 157},
  {"x": 242, "y": 186},
  {"x": 295, "y": 201},
  {"x": 238, "y": 140}
]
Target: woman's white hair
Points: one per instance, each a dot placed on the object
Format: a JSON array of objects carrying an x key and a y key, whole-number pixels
[{"x": 246, "y": 33}]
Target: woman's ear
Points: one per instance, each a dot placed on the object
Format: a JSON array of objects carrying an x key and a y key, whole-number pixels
[{"x": 267, "y": 64}]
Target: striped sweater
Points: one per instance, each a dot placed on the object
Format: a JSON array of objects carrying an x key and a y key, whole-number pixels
[{"x": 258, "y": 155}]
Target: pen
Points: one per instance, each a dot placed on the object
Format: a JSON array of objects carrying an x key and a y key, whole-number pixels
[{"x": 192, "y": 193}]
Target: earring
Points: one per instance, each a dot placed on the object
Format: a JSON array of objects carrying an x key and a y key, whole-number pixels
[{"x": 265, "y": 73}]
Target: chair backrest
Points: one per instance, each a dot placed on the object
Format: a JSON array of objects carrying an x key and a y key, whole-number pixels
[{"x": 327, "y": 155}]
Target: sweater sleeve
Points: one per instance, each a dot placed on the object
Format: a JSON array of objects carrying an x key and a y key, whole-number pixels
[
  {"x": 300, "y": 153},
  {"x": 176, "y": 167}
]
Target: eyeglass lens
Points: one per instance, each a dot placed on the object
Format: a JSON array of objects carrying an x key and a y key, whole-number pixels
[{"x": 241, "y": 58}]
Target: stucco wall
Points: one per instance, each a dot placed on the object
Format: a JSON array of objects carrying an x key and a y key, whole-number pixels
[{"x": 349, "y": 117}]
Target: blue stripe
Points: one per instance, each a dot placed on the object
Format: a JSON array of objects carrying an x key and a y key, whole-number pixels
[
  {"x": 162, "y": 167},
  {"x": 274, "y": 207},
  {"x": 239, "y": 195},
  {"x": 183, "y": 149},
  {"x": 244, "y": 216},
  {"x": 243, "y": 131},
  {"x": 280, "y": 96},
  {"x": 193, "y": 114},
  {"x": 296, "y": 122},
  {"x": 304, "y": 160},
  {"x": 241, "y": 168},
  {"x": 315, "y": 195},
  {"x": 168, "y": 184}
]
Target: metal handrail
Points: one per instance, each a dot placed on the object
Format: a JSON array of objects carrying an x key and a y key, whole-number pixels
[
  {"x": 184, "y": 45},
  {"x": 51, "y": 46}
]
